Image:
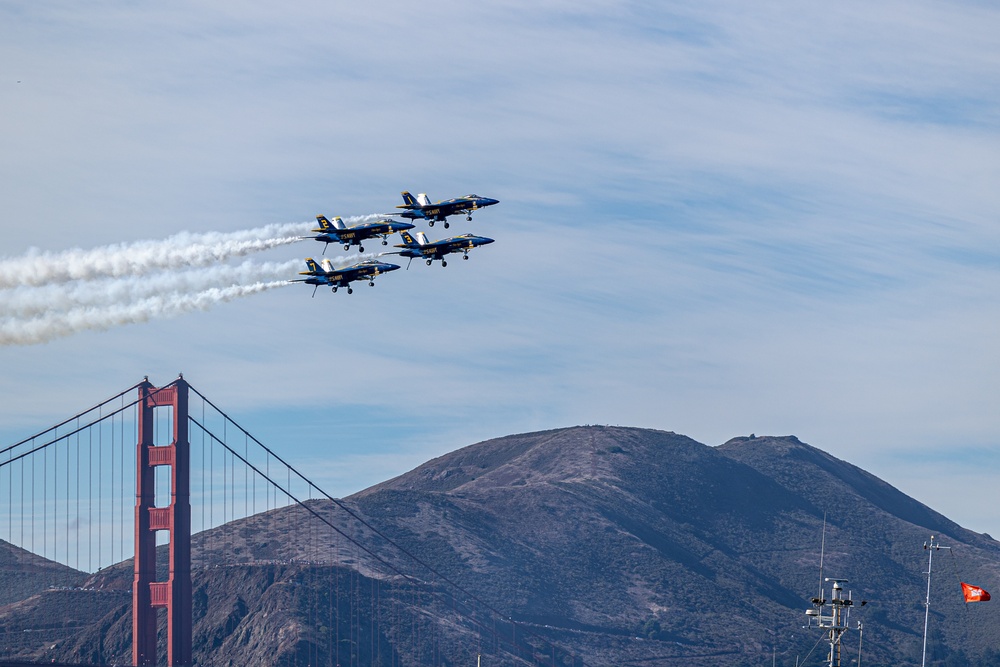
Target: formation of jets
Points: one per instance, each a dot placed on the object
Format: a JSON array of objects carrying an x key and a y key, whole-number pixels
[{"x": 324, "y": 274}]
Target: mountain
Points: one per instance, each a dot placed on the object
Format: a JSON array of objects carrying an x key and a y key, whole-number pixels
[
  {"x": 585, "y": 545},
  {"x": 23, "y": 574},
  {"x": 715, "y": 548}
]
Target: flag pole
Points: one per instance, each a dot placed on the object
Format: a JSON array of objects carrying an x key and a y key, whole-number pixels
[{"x": 930, "y": 549}]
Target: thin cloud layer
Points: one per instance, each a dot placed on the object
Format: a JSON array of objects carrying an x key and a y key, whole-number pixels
[{"x": 715, "y": 218}]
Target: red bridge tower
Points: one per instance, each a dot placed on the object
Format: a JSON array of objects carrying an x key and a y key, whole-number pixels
[{"x": 174, "y": 594}]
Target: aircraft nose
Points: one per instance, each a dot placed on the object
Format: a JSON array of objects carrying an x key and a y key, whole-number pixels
[
  {"x": 485, "y": 240},
  {"x": 489, "y": 202}
]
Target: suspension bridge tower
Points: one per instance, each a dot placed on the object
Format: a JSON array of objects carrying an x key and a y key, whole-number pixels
[{"x": 148, "y": 593}]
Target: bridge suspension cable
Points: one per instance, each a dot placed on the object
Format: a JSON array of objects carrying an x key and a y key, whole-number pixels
[{"x": 392, "y": 543}]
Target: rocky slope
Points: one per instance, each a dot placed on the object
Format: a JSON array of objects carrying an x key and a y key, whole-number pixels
[
  {"x": 585, "y": 545},
  {"x": 23, "y": 574}
]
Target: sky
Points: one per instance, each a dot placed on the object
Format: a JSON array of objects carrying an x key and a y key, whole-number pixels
[{"x": 716, "y": 219}]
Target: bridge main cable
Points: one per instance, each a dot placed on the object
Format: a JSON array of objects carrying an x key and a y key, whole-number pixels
[
  {"x": 77, "y": 415},
  {"x": 62, "y": 437},
  {"x": 80, "y": 428},
  {"x": 293, "y": 497}
]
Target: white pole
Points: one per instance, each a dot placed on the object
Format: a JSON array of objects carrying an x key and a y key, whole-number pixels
[
  {"x": 931, "y": 548},
  {"x": 927, "y": 603},
  {"x": 822, "y": 552},
  {"x": 861, "y": 637}
]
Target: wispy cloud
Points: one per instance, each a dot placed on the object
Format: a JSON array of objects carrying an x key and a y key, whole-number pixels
[{"x": 716, "y": 217}]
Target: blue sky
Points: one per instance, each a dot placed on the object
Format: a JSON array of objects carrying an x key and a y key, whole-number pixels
[{"x": 715, "y": 219}]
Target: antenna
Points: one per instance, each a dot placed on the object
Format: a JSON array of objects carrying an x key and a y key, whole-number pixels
[
  {"x": 832, "y": 614},
  {"x": 822, "y": 552}
]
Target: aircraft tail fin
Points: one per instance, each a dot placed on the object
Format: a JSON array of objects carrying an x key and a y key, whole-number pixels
[
  {"x": 421, "y": 238},
  {"x": 408, "y": 199},
  {"x": 327, "y": 264},
  {"x": 311, "y": 266},
  {"x": 423, "y": 199},
  {"x": 325, "y": 225},
  {"x": 407, "y": 238}
]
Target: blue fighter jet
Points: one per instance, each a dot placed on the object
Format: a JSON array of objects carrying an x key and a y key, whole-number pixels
[
  {"x": 328, "y": 276},
  {"x": 421, "y": 207},
  {"x": 432, "y": 250},
  {"x": 338, "y": 232}
]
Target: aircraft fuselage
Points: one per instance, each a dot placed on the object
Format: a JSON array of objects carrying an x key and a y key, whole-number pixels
[
  {"x": 355, "y": 235},
  {"x": 440, "y": 211}
]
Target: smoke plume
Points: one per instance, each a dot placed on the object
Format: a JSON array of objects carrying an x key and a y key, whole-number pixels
[
  {"x": 184, "y": 250},
  {"x": 25, "y": 302},
  {"x": 47, "y": 327},
  {"x": 181, "y": 251},
  {"x": 48, "y": 295}
]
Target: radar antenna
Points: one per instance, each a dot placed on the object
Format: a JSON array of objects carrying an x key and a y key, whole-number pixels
[{"x": 833, "y": 614}]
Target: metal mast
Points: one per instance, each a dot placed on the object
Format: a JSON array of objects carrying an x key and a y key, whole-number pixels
[
  {"x": 833, "y": 615},
  {"x": 930, "y": 548}
]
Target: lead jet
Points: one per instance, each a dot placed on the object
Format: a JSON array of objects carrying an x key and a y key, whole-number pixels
[
  {"x": 338, "y": 232},
  {"x": 327, "y": 276},
  {"x": 432, "y": 250},
  {"x": 421, "y": 207}
]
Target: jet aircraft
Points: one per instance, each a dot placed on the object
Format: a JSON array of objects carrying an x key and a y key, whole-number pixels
[
  {"x": 421, "y": 207},
  {"x": 328, "y": 276},
  {"x": 338, "y": 232},
  {"x": 432, "y": 250}
]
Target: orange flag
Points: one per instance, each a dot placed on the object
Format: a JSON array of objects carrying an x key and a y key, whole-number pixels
[{"x": 974, "y": 593}]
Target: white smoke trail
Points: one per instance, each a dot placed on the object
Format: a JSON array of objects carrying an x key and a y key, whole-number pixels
[
  {"x": 22, "y": 302},
  {"x": 184, "y": 250},
  {"x": 25, "y": 302},
  {"x": 44, "y": 296},
  {"x": 177, "y": 251},
  {"x": 48, "y": 327}
]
